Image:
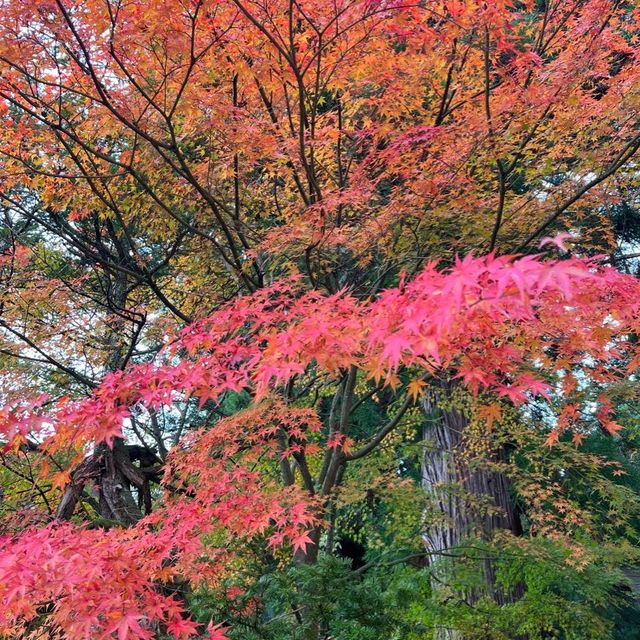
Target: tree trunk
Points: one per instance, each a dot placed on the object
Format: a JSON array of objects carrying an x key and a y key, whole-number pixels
[
  {"x": 468, "y": 502},
  {"x": 116, "y": 501},
  {"x": 110, "y": 468}
]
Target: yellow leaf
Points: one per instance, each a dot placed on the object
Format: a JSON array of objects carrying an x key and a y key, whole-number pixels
[
  {"x": 491, "y": 413},
  {"x": 414, "y": 388}
]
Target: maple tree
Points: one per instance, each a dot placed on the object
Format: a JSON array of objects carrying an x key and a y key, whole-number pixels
[
  {"x": 262, "y": 343},
  {"x": 229, "y": 226}
]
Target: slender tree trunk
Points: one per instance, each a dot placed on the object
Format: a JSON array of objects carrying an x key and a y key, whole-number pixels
[{"x": 468, "y": 502}]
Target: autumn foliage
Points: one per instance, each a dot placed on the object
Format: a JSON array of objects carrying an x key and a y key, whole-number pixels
[
  {"x": 499, "y": 315},
  {"x": 256, "y": 217}
]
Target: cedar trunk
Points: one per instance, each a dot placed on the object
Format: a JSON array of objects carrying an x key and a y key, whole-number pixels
[{"x": 456, "y": 490}]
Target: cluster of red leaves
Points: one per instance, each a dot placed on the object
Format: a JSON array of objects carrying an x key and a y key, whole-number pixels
[
  {"x": 97, "y": 584},
  {"x": 21, "y": 418},
  {"x": 488, "y": 320}
]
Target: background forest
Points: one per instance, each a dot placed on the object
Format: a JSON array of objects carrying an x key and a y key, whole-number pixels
[{"x": 319, "y": 319}]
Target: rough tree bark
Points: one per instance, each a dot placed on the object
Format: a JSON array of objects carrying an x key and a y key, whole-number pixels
[{"x": 468, "y": 502}]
